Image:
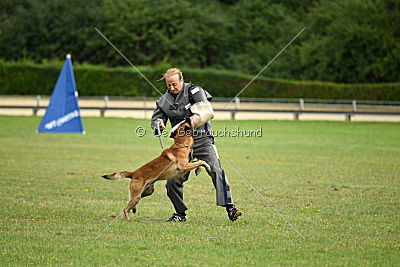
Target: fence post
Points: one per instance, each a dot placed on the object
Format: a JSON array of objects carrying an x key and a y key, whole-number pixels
[
  {"x": 301, "y": 108},
  {"x": 106, "y": 98},
  {"x": 354, "y": 105},
  {"x": 233, "y": 115},
  {"x": 237, "y": 102},
  {"x": 35, "y": 110},
  {"x": 102, "y": 111},
  {"x": 301, "y": 103},
  {"x": 237, "y": 106}
]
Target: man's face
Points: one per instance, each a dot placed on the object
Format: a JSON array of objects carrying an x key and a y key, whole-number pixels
[{"x": 174, "y": 84}]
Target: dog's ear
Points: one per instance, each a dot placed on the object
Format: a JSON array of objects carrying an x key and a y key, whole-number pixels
[
  {"x": 188, "y": 129},
  {"x": 188, "y": 121},
  {"x": 173, "y": 134}
]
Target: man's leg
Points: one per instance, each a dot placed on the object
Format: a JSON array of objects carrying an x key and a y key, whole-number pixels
[
  {"x": 175, "y": 194},
  {"x": 204, "y": 149}
]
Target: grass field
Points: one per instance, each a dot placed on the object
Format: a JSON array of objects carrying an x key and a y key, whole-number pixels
[{"x": 337, "y": 182}]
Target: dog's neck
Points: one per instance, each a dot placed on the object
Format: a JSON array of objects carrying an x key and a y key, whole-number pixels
[{"x": 182, "y": 145}]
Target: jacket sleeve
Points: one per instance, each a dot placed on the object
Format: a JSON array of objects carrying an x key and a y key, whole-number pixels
[
  {"x": 198, "y": 94},
  {"x": 158, "y": 114}
]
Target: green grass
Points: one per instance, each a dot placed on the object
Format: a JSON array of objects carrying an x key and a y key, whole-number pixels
[{"x": 337, "y": 182}]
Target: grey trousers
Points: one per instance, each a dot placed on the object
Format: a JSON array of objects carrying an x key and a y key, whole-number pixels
[{"x": 203, "y": 149}]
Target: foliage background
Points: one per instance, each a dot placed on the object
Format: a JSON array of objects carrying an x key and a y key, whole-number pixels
[
  {"x": 27, "y": 78},
  {"x": 345, "y": 41}
]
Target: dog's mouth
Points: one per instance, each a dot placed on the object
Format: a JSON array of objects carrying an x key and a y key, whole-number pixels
[
  {"x": 182, "y": 129},
  {"x": 181, "y": 132}
]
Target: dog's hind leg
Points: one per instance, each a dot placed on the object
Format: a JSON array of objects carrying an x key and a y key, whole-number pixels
[
  {"x": 131, "y": 206},
  {"x": 148, "y": 190},
  {"x": 135, "y": 189}
]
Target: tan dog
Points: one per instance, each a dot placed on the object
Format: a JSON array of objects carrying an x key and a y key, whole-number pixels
[{"x": 172, "y": 163}]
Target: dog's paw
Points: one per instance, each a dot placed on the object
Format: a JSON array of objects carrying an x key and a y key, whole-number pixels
[
  {"x": 126, "y": 213},
  {"x": 198, "y": 170},
  {"x": 205, "y": 165}
]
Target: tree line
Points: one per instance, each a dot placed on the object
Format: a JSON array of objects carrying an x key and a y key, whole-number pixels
[{"x": 348, "y": 41}]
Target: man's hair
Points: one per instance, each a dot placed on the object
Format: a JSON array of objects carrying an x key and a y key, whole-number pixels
[{"x": 171, "y": 72}]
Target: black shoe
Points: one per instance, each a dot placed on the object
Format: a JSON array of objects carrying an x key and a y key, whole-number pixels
[
  {"x": 177, "y": 218},
  {"x": 233, "y": 213}
]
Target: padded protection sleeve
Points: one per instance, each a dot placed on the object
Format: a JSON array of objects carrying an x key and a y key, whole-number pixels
[{"x": 202, "y": 113}]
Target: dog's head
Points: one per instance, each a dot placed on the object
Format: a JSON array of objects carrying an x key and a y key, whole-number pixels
[{"x": 183, "y": 132}]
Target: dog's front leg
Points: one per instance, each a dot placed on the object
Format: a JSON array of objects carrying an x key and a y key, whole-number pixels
[{"x": 193, "y": 165}]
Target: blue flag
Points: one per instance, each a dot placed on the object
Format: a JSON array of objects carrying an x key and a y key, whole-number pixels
[{"x": 63, "y": 113}]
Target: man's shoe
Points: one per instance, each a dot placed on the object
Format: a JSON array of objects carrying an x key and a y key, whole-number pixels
[
  {"x": 233, "y": 213},
  {"x": 177, "y": 218}
]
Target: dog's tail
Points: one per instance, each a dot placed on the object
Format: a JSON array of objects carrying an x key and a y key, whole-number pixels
[{"x": 118, "y": 175}]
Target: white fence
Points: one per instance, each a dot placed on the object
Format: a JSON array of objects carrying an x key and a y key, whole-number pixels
[{"x": 241, "y": 108}]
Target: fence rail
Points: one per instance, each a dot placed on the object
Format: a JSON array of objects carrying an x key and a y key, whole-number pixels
[{"x": 296, "y": 107}]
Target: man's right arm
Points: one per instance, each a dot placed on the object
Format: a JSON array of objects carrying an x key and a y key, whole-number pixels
[{"x": 158, "y": 114}]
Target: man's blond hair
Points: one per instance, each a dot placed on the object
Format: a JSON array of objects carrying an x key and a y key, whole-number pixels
[{"x": 171, "y": 72}]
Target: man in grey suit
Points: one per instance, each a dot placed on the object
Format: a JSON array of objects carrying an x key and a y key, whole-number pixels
[{"x": 184, "y": 100}]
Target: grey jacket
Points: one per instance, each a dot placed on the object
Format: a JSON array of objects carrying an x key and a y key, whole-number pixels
[{"x": 175, "y": 109}]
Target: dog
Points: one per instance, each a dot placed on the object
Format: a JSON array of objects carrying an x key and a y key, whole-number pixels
[{"x": 172, "y": 163}]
